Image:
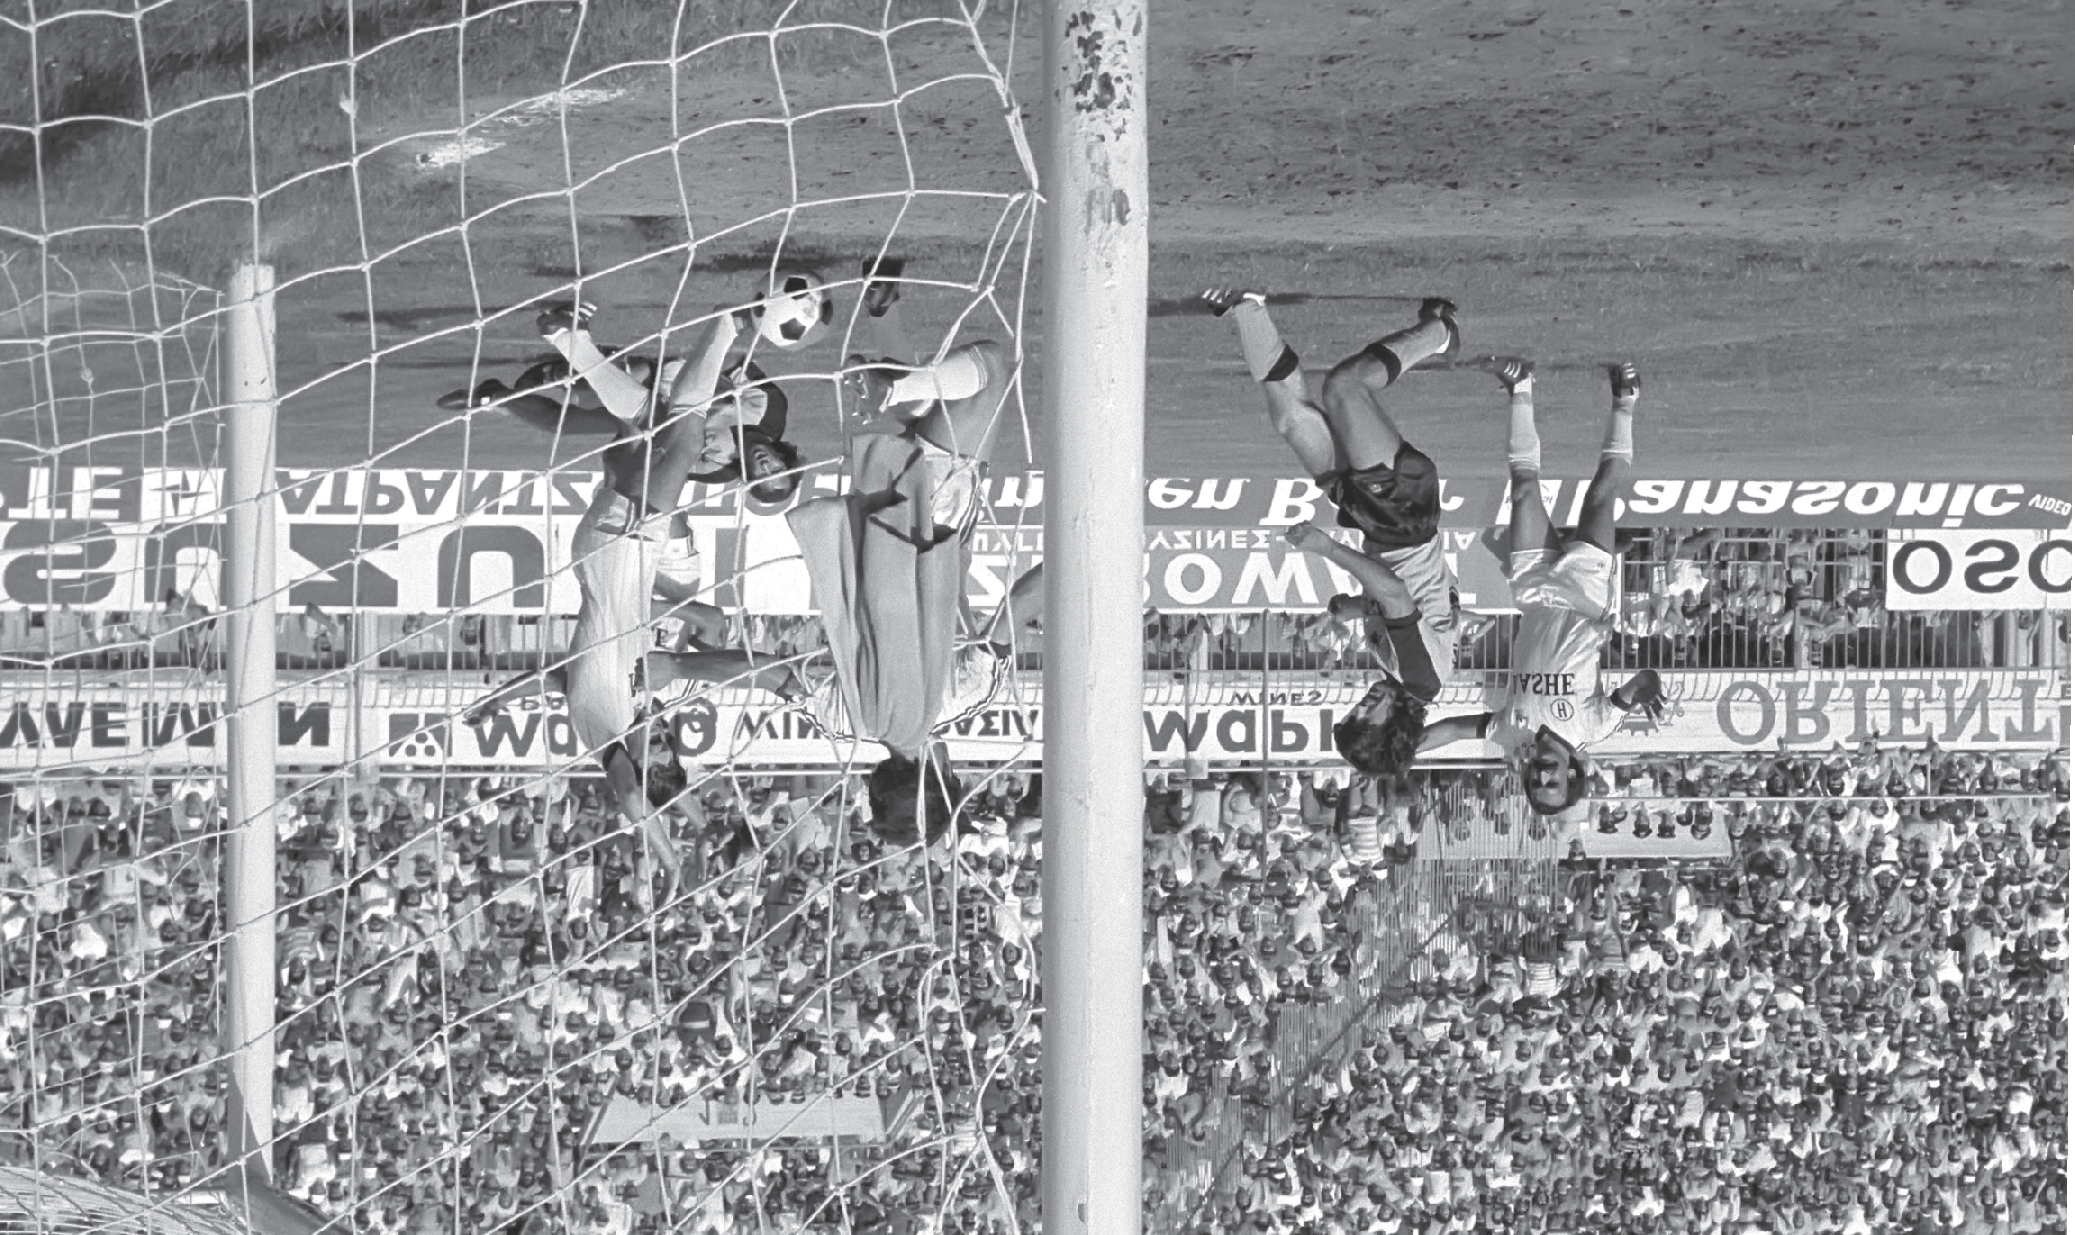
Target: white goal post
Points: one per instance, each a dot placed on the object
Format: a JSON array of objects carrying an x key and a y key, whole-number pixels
[{"x": 1095, "y": 326}]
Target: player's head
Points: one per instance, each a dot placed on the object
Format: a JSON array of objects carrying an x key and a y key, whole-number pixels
[
  {"x": 900, "y": 785},
  {"x": 1555, "y": 774},
  {"x": 1379, "y": 734},
  {"x": 638, "y": 779},
  {"x": 666, "y": 781},
  {"x": 770, "y": 465}
]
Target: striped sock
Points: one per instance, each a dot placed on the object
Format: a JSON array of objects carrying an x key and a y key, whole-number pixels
[
  {"x": 1364, "y": 840},
  {"x": 1523, "y": 443},
  {"x": 1268, "y": 358},
  {"x": 1406, "y": 348}
]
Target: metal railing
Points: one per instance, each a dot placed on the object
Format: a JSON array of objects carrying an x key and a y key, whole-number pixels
[{"x": 1260, "y": 641}]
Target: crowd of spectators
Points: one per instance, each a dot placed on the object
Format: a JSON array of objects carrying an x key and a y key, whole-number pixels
[
  {"x": 1855, "y": 1024},
  {"x": 470, "y": 971}
]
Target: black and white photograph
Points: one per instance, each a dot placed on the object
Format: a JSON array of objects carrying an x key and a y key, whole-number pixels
[{"x": 1035, "y": 617}]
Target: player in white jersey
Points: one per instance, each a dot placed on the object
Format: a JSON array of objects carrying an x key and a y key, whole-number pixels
[
  {"x": 1553, "y": 706},
  {"x": 1382, "y": 487},
  {"x": 618, "y": 548}
]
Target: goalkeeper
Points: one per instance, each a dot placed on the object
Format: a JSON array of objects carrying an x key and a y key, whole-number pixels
[
  {"x": 887, "y": 563},
  {"x": 616, "y": 551}
]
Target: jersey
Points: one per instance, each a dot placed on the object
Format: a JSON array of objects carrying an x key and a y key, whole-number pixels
[
  {"x": 1394, "y": 505},
  {"x": 1555, "y": 680},
  {"x": 976, "y": 680},
  {"x": 1424, "y": 570},
  {"x": 888, "y": 590},
  {"x": 1401, "y": 645}
]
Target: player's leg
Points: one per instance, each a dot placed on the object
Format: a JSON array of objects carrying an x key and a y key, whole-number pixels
[
  {"x": 705, "y": 625},
  {"x": 567, "y": 328},
  {"x": 550, "y": 415},
  {"x": 693, "y": 388},
  {"x": 1616, "y": 456},
  {"x": 885, "y": 325},
  {"x": 1528, "y": 531},
  {"x": 1366, "y": 434},
  {"x": 1275, "y": 365}
]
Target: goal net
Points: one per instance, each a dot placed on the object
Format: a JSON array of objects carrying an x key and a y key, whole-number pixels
[{"x": 497, "y": 1007}]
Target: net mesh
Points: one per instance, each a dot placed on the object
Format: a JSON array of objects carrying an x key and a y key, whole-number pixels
[{"x": 497, "y": 1010}]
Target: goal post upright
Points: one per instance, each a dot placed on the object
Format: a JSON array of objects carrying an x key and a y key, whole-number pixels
[
  {"x": 249, "y": 586},
  {"x": 1093, "y": 351}
]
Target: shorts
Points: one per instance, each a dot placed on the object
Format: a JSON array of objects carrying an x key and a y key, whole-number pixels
[
  {"x": 1579, "y": 578},
  {"x": 1395, "y": 505},
  {"x": 677, "y": 563}
]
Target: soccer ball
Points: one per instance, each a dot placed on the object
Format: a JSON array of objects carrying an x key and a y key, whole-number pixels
[{"x": 799, "y": 308}]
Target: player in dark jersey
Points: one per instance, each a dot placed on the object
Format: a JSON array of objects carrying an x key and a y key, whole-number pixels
[
  {"x": 1380, "y": 734},
  {"x": 1384, "y": 488}
]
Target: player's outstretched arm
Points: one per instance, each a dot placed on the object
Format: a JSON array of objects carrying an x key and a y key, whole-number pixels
[
  {"x": 1453, "y": 729},
  {"x": 694, "y": 386},
  {"x": 531, "y": 682},
  {"x": 1378, "y": 581}
]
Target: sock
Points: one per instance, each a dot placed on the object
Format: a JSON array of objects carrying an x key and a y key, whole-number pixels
[
  {"x": 1364, "y": 839},
  {"x": 1621, "y": 435},
  {"x": 621, "y": 394},
  {"x": 1285, "y": 364},
  {"x": 1406, "y": 348},
  {"x": 1267, "y": 358},
  {"x": 957, "y": 376},
  {"x": 1523, "y": 444}
]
